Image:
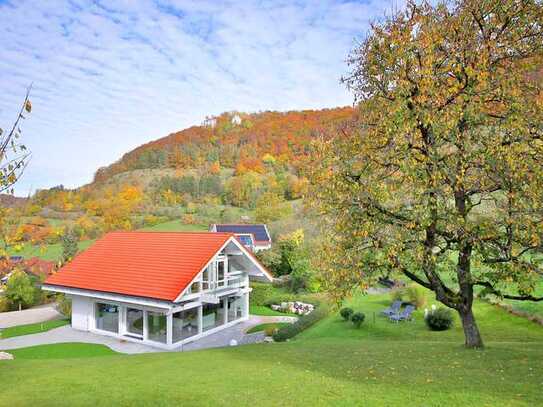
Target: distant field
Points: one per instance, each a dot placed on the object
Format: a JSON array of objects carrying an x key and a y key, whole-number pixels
[
  {"x": 176, "y": 226},
  {"x": 51, "y": 252}
]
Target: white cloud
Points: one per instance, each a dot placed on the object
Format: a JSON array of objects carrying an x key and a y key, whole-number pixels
[{"x": 109, "y": 76}]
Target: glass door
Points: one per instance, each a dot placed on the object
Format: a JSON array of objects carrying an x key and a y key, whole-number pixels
[{"x": 134, "y": 322}]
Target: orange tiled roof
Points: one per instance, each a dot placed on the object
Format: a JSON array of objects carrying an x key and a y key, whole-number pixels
[{"x": 146, "y": 264}]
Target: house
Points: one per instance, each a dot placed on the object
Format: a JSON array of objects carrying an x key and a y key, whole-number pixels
[
  {"x": 253, "y": 236},
  {"x": 159, "y": 288},
  {"x": 32, "y": 267}
]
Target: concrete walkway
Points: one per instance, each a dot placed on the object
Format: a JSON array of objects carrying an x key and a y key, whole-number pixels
[
  {"x": 222, "y": 338},
  {"x": 29, "y": 316}
]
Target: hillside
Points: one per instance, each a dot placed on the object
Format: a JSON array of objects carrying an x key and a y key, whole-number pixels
[
  {"x": 236, "y": 167},
  {"x": 233, "y": 140}
]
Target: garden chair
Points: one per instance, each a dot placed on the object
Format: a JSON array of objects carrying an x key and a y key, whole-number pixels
[
  {"x": 394, "y": 309},
  {"x": 405, "y": 315}
]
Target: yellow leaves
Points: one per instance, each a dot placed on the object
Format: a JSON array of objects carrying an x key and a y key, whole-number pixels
[{"x": 28, "y": 106}]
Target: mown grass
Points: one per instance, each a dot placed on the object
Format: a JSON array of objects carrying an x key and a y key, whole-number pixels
[
  {"x": 62, "y": 351},
  {"x": 332, "y": 363},
  {"x": 266, "y": 311},
  {"x": 32, "y": 328},
  {"x": 176, "y": 226},
  {"x": 263, "y": 327}
]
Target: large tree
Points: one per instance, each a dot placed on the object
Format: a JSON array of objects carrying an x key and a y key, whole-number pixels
[{"x": 441, "y": 176}]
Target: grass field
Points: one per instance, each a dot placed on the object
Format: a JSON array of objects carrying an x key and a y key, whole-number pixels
[
  {"x": 32, "y": 328},
  {"x": 266, "y": 311},
  {"x": 51, "y": 252},
  {"x": 263, "y": 327},
  {"x": 176, "y": 226},
  {"x": 62, "y": 351},
  {"x": 332, "y": 363}
]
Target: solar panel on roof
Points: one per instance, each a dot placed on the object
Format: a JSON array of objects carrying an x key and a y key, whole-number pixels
[
  {"x": 258, "y": 231},
  {"x": 246, "y": 240}
]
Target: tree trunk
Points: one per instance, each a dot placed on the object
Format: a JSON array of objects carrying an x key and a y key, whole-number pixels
[{"x": 471, "y": 331}]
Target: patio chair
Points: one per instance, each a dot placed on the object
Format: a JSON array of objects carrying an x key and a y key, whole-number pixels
[
  {"x": 405, "y": 315},
  {"x": 394, "y": 309}
]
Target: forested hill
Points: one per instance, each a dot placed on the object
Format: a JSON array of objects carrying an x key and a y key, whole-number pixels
[{"x": 233, "y": 140}]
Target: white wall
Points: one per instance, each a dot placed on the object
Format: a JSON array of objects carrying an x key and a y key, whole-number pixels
[{"x": 81, "y": 312}]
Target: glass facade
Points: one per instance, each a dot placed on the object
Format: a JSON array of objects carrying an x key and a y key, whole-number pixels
[
  {"x": 185, "y": 324},
  {"x": 134, "y": 321},
  {"x": 212, "y": 315},
  {"x": 235, "y": 308},
  {"x": 107, "y": 317},
  {"x": 156, "y": 327}
]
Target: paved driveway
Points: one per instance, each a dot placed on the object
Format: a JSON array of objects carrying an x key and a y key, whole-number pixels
[
  {"x": 68, "y": 334},
  {"x": 29, "y": 316}
]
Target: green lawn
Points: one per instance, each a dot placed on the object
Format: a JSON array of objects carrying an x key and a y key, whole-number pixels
[
  {"x": 332, "y": 363},
  {"x": 62, "y": 351},
  {"x": 534, "y": 308},
  {"x": 263, "y": 327},
  {"x": 266, "y": 311},
  {"x": 51, "y": 252},
  {"x": 32, "y": 328},
  {"x": 176, "y": 226}
]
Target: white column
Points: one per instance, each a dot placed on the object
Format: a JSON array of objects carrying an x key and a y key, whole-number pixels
[
  {"x": 246, "y": 305},
  {"x": 225, "y": 308},
  {"x": 200, "y": 318},
  {"x": 145, "y": 326},
  {"x": 169, "y": 328}
]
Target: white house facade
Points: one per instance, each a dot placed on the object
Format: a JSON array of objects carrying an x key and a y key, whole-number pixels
[{"x": 185, "y": 302}]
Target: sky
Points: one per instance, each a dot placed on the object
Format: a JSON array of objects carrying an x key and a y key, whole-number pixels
[{"x": 108, "y": 76}]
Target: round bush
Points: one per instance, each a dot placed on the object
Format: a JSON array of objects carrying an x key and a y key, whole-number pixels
[
  {"x": 440, "y": 319},
  {"x": 357, "y": 319},
  {"x": 346, "y": 313}
]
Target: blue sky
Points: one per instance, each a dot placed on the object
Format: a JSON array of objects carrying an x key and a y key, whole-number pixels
[{"x": 110, "y": 75}]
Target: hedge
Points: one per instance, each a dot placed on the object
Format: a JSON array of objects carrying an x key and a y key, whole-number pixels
[
  {"x": 305, "y": 321},
  {"x": 261, "y": 293}
]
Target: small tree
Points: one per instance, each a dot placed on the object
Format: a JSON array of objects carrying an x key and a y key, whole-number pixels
[
  {"x": 19, "y": 289},
  {"x": 69, "y": 246}
]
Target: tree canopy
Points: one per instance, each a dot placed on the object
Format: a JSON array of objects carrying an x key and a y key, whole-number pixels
[{"x": 441, "y": 177}]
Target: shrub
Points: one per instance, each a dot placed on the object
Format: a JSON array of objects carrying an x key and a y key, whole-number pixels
[
  {"x": 64, "y": 305},
  {"x": 415, "y": 296},
  {"x": 439, "y": 319},
  {"x": 304, "y": 322},
  {"x": 357, "y": 319},
  {"x": 4, "y": 304},
  {"x": 270, "y": 330},
  {"x": 261, "y": 293},
  {"x": 346, "y": 313}
]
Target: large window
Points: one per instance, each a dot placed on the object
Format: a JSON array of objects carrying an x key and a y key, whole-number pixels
[
  {"x": 185, "y": 324},
  {"x": 220, "y": 272},
  {"x": 235, "y": 308},
  {"x": 134, "y": 322},
  {"x": 156, "y": 327},
  {"x": 213, "y": 315},
  {"x": 107, "y": 317},
  {"x": 206, "y": 278}
]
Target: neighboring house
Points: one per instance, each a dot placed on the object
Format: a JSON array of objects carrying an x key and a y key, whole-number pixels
[
  {"x": 34, "y": 266},
  {"x": 253, "y": 236},
  {"x": 159, "y": 288},
  {"x": 236, "y": 120}
]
